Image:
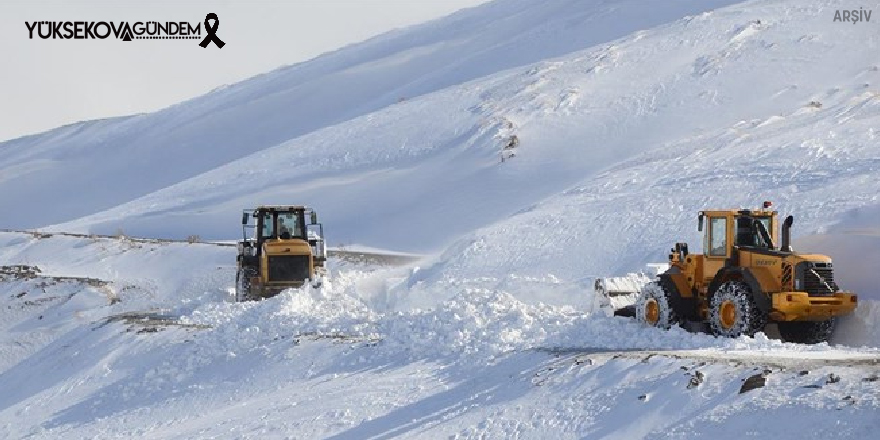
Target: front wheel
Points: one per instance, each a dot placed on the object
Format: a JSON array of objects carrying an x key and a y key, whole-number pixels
[
  {"x": 806, "y": 332},
  {"x": 243, "y": 284},
  {"x": 732, "y": 312},
  {"x": 654, "y": 308}
]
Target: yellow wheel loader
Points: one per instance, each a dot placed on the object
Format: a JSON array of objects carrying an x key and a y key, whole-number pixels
[
  {"x": 283, "y": 251},
  {"x": 742, "y": 281}
]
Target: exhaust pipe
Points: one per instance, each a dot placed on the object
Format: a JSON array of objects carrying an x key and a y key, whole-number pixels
[{"x": 786, "y": 234}]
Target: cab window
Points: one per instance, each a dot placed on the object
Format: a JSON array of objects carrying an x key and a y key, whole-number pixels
[
  {"x": 268, "y": 226},
  {"x": 718, "y": 237},
  {"x": 748, "y": 234},
  {"x": 288, "y": 224},
  {"x": 765, "y": 221}
]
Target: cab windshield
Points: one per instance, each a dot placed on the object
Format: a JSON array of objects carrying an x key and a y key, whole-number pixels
[
  {"x": 763, "y": 226},
  {"x": 288, "y": 224},
  {"x": 753, "y": 232}
]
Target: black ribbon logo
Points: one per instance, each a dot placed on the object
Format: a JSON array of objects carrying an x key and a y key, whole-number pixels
[{"x": 212, "y": 32}]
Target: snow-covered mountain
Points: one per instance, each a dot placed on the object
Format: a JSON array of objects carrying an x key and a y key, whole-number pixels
[
  {"x": 733, "y": 87},
  {"x": 630, "y": 116},
  {"x": 763, "y": 101},
  {"x": 87, "y": 167}
]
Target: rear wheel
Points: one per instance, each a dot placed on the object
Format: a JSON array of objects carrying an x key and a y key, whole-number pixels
[
  {"x": 806, "y": 332},
  {"x": 654, "y": 307},
  {"x": 732, "y": 312},
  {"x": 243, "y": 283}
]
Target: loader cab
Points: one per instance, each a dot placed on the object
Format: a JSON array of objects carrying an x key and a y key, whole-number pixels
[
  {"x": 273, "y": 224},
  {"x": 280, "y": 225},
  {"x": 726, "y": 230}
]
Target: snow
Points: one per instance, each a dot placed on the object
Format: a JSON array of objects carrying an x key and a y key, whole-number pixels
[
  {"x": 244, "y": 119},
  {"x": 628, "y": 123},
  {"x": 854, "y": 245},
  {"x": 652, "y": 144},
  {"x": 341, "y": 361}
]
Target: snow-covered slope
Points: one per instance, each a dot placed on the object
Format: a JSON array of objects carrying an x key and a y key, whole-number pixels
[
  {"x": 817, "y": 164},
  {"x": 802, "y": 132},
  {"x": 86, "y": 167},
  {"x": 727, "y": 102}
]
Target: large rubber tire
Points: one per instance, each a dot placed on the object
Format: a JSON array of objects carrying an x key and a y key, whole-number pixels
[
  {"x": 654, "y": 307},
  {"x": 243, "y": 284},
  {"x": 806, "y": 332},
  {"x": 733, "y": 312}
]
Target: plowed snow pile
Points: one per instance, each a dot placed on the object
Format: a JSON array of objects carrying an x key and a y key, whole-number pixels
[{"x": 475, "y": 322}]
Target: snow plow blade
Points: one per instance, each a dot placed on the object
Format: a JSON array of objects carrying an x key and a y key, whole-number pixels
[{"x": 617, "y": 296}]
